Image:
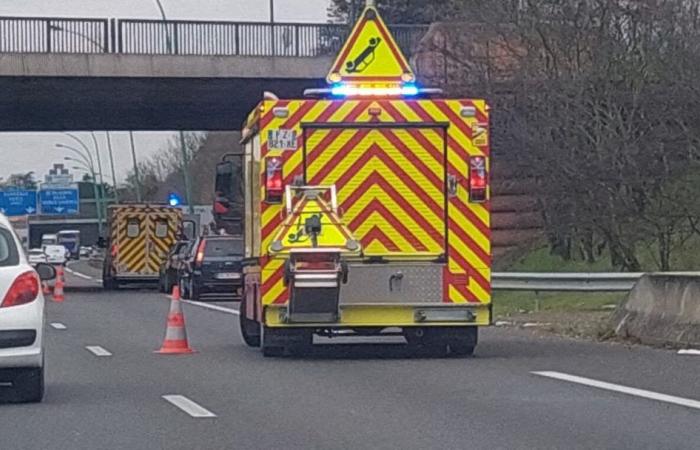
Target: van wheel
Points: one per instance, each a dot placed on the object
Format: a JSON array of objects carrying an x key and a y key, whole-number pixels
[
  {"x": 108, "y": 284},
  {"x": 250, "y": 330}
]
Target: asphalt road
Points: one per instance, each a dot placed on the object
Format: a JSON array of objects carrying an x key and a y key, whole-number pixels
[{"x": 342, "y": 396}]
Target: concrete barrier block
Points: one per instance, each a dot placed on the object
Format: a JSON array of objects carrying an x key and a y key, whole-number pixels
[{"x": 661, "y": 309}]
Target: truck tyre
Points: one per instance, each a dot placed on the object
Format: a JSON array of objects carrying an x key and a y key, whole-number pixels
[
  {"x": 250, "y": 329},
  {"x": 462, "y": 341},
  {"x": 429, "y": 341}
]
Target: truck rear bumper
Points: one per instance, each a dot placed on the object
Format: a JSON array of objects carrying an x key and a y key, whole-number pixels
[{"x": 391, "y": 315}]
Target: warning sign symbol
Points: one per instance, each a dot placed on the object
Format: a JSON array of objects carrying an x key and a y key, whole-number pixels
[{"x": 370, "y": 55}]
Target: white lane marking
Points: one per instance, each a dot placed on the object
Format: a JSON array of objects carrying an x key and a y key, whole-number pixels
[
  {"x": 98, "y": 351},
  {"x": 695, "y": 404},
  {"x": 187, "y": 405},
  {"x": 59, "y": 326},
  {"x": 689, "y": 351},
  {"x": 78, "y": 274},
  {"x": 213, "y": 307}
]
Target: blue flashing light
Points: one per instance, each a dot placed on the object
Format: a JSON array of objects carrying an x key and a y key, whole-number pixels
[
  {"x": 174, "y": 199},
  {"x": 344, "y": 90}
]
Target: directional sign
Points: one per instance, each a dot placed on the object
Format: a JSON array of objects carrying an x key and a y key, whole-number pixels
[
  {"x": 370, "y": 55},
  {"x": 18, "y": 202},
  {"x": 59, "y": 201}
]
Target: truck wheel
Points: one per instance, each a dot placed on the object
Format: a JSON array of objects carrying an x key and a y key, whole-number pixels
[
  {"x": 250, "y": 329},
  {"x": 462, "y": 341},
  {"x": 426, "y": 341}
]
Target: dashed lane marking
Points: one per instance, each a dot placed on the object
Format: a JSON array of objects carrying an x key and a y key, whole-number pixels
[
  {"x": 98, "y": 351},
  {"x": 695, "y": 404},
  {"x": 188, "y": 406},
  {"x": 213, "y": 307},
  {"x": 78, "y": 274},
  {"x": 58, "y": 326}
]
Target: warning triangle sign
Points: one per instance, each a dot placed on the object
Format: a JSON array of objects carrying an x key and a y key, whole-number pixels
[{"x": 370, "y": 55}]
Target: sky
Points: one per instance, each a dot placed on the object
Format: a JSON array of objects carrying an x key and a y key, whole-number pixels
[{"x": 24, "y": 152}]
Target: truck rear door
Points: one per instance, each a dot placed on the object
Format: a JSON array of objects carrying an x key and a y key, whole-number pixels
[{"x": 391, "y": 182}]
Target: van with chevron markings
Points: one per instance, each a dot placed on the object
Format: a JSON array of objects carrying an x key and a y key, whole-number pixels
[{"x": 139, "y": 239}]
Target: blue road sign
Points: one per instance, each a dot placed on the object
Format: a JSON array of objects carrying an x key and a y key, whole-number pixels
[
  {"x": 18, "y": 202},
  {"x": 55, "y": 202}
]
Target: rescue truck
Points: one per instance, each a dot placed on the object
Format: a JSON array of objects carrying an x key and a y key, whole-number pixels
[
  {"x": 366, "y": 208},
  {"x": 140, "y": 236}
]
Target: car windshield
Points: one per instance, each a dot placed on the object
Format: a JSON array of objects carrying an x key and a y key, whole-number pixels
[
  {"x": 224, "y": 247},
  {"x": 8, "y": 250}
]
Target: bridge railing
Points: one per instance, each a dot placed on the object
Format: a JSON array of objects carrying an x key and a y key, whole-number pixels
[
  {"x": 182, "y": 37},
  {"x": 53, "y": 35}
]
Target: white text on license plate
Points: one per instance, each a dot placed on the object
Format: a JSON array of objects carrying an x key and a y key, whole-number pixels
[{"x": 228, "y": 276}]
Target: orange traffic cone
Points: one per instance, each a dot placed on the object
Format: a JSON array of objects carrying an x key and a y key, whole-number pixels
[
  {"x": 58, "y": 287},
  {"x": 175, "y": 341}
]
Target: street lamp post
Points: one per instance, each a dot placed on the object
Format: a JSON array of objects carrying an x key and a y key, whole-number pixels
[
  {"x": 77, "y": 33},
  {"x": 100, "y": 204},
  {"x": 91, "y": 170},
  {"x": 165, "y": 22},
  {"x": 136, "y": 167},
  {"x": 102, "y": 180},
  {"x": 186, "y": 172},
  {"x": 111, "y": 163}
]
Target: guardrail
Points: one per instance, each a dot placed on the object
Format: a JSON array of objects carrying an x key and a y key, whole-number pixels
[
  {"x": 580, "y": 281},
  {"x": 572, "y": 281},
  {"x": 182, "y": 37}
]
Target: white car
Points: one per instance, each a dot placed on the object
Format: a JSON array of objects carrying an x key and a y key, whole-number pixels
[
  {"x": 36, "y": 256},
  {"x": 55, "y": 254},
  {"x": 21, "y": 321}
]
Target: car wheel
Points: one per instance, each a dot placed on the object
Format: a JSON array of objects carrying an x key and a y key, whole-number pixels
[
  {"x": 27, "y": 386},
  {"x": 195, "y": 289},
  {"x": 183, "y": 289}
]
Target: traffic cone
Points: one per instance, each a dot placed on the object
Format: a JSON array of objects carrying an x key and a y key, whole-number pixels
[
  {"x": 58, "y": 287},
  {"x": 175, "y": 341}
]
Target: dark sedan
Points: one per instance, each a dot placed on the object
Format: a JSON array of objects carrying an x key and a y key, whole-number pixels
[{"x": 213, "y": 266}]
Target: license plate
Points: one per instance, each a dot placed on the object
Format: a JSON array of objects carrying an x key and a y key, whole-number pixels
[{"x": 228, "y": 276}]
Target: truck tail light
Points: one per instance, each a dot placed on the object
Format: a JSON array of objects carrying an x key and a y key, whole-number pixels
[
  {"x": 274, "y": 180},
  {"x": 478, "y": 179},
  {"x": 200, "y": 253},
  {"x": 25, "y": 289}
]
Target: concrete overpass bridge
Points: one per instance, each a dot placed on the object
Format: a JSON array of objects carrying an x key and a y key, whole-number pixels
[{"x": 125, "y": 74}]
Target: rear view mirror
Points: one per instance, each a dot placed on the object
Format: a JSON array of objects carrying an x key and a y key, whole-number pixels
[
  {"x": 189, "y": 230},
  {"x": 46, "y": 271}
]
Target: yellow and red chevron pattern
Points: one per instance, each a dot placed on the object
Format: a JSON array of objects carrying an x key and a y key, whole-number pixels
[
  {"x": 389, "y": 160},
  {"x": 143, "y": 251}
]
